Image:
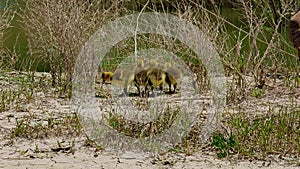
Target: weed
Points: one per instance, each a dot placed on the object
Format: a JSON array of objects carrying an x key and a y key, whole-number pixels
[
  {"x": 250, "y": 48},
  {"x": 260, "y": 136},
  {"x": 91, "y": 143},
  {"x": 224, "y": 146},
  {"x": 133, "y": 129},
  {"x": 37, "y": 149},
  {"x": 258, "y": 92},
  {"x": 34, "y": 127}
]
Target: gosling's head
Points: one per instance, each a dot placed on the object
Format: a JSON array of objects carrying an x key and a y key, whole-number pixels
[
  {"x": 107, "y": 76},
  {"x": 153, "y": 63},
  {"x": 157, "y": 77},
  {"x": 140, "y": 63}
]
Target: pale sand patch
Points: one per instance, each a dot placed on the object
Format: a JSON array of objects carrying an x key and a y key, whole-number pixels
[
  {"x": 39, "y": 153},
  {"x": 107, "y": 161}
]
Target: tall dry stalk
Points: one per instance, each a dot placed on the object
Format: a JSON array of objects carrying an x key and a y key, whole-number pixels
[
  {"x": 271, "y": 17},
  {"x": 6, "y": 16},
  {"x": 58, "y": 29}
]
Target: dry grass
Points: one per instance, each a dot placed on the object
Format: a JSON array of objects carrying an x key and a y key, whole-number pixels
[{"x": 258, "y": 49}]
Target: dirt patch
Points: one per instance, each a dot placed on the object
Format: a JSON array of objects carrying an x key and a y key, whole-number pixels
[{"x": 48, "y": 135}]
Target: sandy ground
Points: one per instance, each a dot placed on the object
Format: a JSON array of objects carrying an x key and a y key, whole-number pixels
[
  {"x": 87, "y": 158},
  {"x": 22, "y": 154},
  {"x": 71, "y": 151}
]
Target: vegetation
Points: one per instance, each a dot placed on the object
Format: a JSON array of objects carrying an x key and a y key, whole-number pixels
[{"x": 250, "y": 36}]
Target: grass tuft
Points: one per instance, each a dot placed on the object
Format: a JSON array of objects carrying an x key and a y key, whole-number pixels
[
  {"x": 33, "y": 127},
  {"x": 263, "y": 135}
]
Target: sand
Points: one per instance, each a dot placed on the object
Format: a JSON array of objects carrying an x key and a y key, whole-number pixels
[{"x": 67, "y": 150}]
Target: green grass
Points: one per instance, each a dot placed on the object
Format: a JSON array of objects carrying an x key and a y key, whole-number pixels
[
  {"x": 250, "y": 137},
  {"x": 19, "y": 88},
  {"x": 34, "y": 127},
  {"x": 140, "y": 130},
  {"x": 247, "y": 136},
  {"x": 223, "y": 145},
  {"x": 269, "y": 134},
  {"x": 253, "y": 137},
  {"x": 258, "y": 92},
  {"x": 124, "y": 48}
]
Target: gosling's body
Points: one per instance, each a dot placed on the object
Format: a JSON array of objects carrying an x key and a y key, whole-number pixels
[
  {"x": 173, "y": 76},
  {"x": 140, "y": 76},
  {"x": 123, "y": 77},
  {"x": 156, "y": 78},
  {"x": 141, "y": 80},
  {"x": 107, "y": 77}
]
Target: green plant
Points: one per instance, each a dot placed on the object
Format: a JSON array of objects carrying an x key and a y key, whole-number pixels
[
  {"x": 261, "y": 135},
  {"x": 224, "y": 145},
  {"x": 258, "y": 92},
  {"x": 134, "y": 129},
  {"x": 33, "y": 127}
]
